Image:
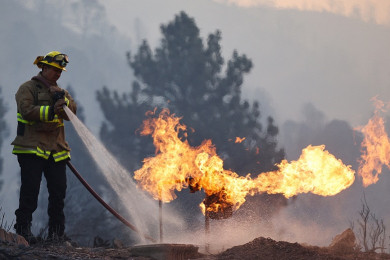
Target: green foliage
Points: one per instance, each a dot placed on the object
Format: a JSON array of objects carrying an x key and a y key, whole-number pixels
[{"x": 185, "y": 75}]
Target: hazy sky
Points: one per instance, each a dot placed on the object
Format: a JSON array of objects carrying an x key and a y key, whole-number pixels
[
  {"x": 377, "y": 11},
  {"x": 333, "y": 54}
]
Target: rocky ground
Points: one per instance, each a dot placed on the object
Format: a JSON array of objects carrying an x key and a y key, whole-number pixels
[
  {"x": 259, "y": 248},
  {"x": 267, "y": 249}
]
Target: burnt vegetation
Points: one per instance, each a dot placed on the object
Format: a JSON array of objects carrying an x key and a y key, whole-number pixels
[{"x": 370, "y": 230}]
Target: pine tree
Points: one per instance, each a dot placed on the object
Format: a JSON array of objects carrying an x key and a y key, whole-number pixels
[{"x": 184, "y": 74}]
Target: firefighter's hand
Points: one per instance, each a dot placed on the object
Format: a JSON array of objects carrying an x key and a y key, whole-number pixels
[{"x": 59, "y": 106}]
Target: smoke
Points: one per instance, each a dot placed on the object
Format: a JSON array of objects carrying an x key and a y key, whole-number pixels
[
  {"x": 301, "y": 221},
  {"x": 222, "y": 234},
  {"x": 377, "y": 11},
  {"x": 308, "y": 215}
]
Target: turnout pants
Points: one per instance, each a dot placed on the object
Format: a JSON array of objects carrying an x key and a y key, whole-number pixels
[{"x": 32, "y": 168}]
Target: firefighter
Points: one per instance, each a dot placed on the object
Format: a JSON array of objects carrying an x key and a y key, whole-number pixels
[{"x": 40, "y": 145}]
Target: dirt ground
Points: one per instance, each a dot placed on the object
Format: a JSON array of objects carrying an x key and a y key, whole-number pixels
[
  {"x": 259, "y": 248},
  {"x": 266, "y": 248}
]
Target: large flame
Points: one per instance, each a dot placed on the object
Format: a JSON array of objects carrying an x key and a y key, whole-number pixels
[
  {"x": 375, "y": 146},
  {"x": 316, "y": 171},
  {"x": 177, "y": 165}
]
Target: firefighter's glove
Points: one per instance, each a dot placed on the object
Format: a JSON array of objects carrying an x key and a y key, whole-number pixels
[
  {"x": 57, "y": 95},
  {"x": 59, "y": 106}
]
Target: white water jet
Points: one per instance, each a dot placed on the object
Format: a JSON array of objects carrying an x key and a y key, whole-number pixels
[{"x": 142, "y": 209}]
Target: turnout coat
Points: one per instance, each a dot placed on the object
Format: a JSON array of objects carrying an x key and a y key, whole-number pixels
[{"x": 40, "y": 131}]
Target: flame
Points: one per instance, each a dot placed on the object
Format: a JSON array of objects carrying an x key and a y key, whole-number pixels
[
  {"x": 375, "y": 146},
  {"x": 239, "y": 139},
  {"x": 316, "y": 171},
  {"x": 177, "y": 165}
]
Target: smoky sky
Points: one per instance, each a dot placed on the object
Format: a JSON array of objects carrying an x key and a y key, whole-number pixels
[
  {"x": 315, "y": 70},
  {"x": 368, "y": 10},
  {"x": 335, "y": 61}
]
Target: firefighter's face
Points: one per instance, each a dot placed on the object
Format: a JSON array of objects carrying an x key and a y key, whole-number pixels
[{"x": 52, "y": 74}]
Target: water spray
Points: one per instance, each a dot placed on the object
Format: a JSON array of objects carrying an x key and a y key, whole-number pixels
[
  {"x": 110, "y": 209},
  {"x": 114, "y": 164}
]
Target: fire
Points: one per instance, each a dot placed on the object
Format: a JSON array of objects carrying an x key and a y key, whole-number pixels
[
  {"x": 375, "y": 146},
  {"x": 239, "y": 139},
  {"x": 316, "y": 171},
  {"x": 177, "y": 165}
]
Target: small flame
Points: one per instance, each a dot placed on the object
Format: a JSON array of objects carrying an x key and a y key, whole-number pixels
[
  {"x": 177, "y": 165},
  {"x": 375, "y": 146},
  {"x": 239, "y": 139}
]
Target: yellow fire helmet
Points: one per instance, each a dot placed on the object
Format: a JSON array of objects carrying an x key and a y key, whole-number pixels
[{"x": 53, "y": 58}]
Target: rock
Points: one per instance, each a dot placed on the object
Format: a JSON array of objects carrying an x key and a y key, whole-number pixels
[
  {"x": 344, "y": 242},
  {"x": 20, "y": 241},
  {"x": 116, "y": 243},
  {"x": 100, "y": 242},
  {"x": 2, "y": 235},
  {"x": 166, "y": 251},
  {"x": 8, "y": 237}
]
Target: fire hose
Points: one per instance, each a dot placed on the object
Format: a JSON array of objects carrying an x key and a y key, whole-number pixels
[{"x": 111, "y": 210}]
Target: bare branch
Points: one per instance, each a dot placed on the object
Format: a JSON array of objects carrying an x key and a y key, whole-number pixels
[
  {"x": 363, "y": 223},
  {"x": 377, "y": 232},
  {"x": 372, "y": 230}
]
